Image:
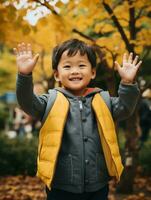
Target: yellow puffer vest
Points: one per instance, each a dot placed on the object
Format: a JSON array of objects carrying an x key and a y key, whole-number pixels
[{"x": 52, "y": 131}]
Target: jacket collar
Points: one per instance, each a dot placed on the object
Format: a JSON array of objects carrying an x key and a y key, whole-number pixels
[{"x": 88, "y": 92}]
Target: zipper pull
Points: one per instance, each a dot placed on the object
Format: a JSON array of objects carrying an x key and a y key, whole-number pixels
[{"x": 81, "y": 106}]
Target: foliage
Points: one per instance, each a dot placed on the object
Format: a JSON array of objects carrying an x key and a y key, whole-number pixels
[
  {"x": 112, "y": 26},
  {"x": 3, "y": 115},
  {"x": 17, "y": 156},
  {"x": 115, "y": 33},
  {"x": 13, "y": 26},
  {"x": 144, "y": 152},
  {"x": 91, "y": 21},
  {"x": 26, "y": 187},
  {"x": 7, "y": 71}
]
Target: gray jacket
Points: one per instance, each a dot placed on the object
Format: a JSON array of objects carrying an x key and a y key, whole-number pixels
[{"x": 81, "y": 164}]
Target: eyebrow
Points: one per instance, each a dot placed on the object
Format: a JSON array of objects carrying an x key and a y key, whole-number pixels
[
  {"x": 68, "y": 62},
  {"x": 82, "y": 61}
]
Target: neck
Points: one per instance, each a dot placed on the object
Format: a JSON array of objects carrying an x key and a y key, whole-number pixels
[{"x": 76, "y": 92}]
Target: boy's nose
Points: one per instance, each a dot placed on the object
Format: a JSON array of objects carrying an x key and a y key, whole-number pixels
[{"x": 74, "y": 71}]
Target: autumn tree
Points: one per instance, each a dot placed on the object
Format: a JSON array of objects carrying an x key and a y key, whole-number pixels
[
  {"x": 137, "y": 11},
  {"x": 112, "y": 27},
  {"x": 12, "y": 29}
]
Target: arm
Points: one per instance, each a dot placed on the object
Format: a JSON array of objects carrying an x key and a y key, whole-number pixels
[
  {"x": 124, "y": 105},
  {"x": 29, "y": 102}
]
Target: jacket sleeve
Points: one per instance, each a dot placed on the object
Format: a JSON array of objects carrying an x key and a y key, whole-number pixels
[
  {"x": 29, "y": 102},
  {"x": 124, "y": 105}
]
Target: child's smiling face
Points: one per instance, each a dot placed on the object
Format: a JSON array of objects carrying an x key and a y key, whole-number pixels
[{"x": 74, "y": 72}]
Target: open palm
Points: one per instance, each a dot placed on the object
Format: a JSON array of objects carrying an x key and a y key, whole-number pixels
[
  {"x": 24, "y": 58},
  {"x": 129, "y": 68}
]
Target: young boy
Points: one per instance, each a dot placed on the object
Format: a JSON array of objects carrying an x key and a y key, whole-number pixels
[{"x": 78, "y": 151}]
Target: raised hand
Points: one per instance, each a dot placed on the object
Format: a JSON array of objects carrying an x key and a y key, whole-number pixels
[
  {"x": 129, "y": 68},
  {"x": 24, "y": 58}
]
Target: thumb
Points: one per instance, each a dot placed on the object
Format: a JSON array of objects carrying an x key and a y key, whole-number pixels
[
  {"x": 117, "y": 66},
  {"x": 35, "y": 59}
]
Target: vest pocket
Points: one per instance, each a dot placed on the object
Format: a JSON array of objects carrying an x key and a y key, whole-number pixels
[{"x": 64, "y": 170}]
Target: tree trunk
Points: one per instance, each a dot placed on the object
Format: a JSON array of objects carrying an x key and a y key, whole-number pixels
[{"x": 131, "y": 152}]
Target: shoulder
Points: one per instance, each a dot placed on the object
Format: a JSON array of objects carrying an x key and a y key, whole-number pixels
[{"x": 106, "y": 97}]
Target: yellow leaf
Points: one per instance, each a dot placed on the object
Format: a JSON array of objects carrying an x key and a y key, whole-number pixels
[{"x": 59, "y": 4}]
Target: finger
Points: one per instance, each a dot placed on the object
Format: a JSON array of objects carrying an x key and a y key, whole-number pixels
[
  {"x": 19, "y": 49},
  {"x": 15, "y": 51},
  {"x": 124, "y": 58},
  {"x": 29, "y": 49},
  {"x": 135, "y": 60},
  {"x": 139, "y": 64},
  {"x": 36, "y": 58},
  {"x": 130, "y": 58},
  {"x": 23, "y": 46},
  {"x": 117, "y": 66}
]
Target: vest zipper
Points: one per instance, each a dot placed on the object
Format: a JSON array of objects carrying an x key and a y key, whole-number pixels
[
  {"x": 83, "y": 157},
  {"x": 81, "y": 106}
]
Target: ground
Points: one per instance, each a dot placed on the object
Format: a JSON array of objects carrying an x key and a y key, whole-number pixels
[{"x": 31, "y": 188}]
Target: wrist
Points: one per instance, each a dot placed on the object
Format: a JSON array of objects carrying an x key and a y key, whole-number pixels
[
  {"x": 127, "y": 82},
  {"x": 25, "y": 74}
]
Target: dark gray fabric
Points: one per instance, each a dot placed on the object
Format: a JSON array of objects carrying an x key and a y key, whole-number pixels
[
  {"x": 81, "y": 164},
  {"x": 56, "y": 194},
  {"x": 122, "y": 107},
  {"x": 50, "y": 102},
  {"x": 53, "y": 95}
]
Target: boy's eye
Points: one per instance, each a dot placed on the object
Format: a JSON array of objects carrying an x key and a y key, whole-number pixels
[
  {"x": 82, "y": 65},
  {"x": 66, "y": 66}
]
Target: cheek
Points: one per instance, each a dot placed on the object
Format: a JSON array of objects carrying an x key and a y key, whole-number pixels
[
  {"x": 63, "y": 75},
  {"x": 89, "y": 73}
]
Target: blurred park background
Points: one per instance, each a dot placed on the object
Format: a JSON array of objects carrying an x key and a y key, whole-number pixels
[{"x": 112, "y": 27}]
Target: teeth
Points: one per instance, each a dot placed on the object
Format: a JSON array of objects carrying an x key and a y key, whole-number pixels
[{"x": 75, "y": 79}]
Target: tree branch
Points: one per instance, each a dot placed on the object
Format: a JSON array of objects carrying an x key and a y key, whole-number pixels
[
  {"x": 47, "y": 5},
  {"x": 118, "y": 26},
  {"x": 132, "y": 21},
  {"x": 83, "y": 35},
  {"x": 141, "y": 11},
  {"x": 96, "y": 46},
  {"x": 147, "y": 50}
]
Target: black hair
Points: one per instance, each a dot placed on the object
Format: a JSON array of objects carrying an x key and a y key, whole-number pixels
[{"x": 73, "y": 46}]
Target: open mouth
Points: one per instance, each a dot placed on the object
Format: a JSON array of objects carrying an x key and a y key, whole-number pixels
[{"x": 75, "y": 79}]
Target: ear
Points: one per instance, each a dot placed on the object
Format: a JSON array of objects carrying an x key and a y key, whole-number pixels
[
  {"x": 56, "y": 75},
  {"x": 93, "y": 73}
]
